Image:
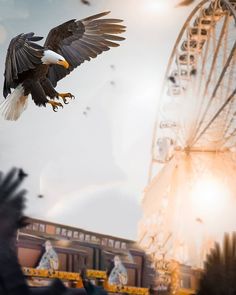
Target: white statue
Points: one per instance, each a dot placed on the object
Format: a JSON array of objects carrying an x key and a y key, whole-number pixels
[
  {"x": 118, "y": 275},
  {"x": 49, "y": 259}
]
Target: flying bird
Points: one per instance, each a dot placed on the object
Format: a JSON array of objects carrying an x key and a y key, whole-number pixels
[
  {"x": 86, "y": 2},
  {"x": 198, "y": 219},
  {"x": 34, "y": 69},
  {"x": 185, "y": 3},
  {"x": 40, "y": 196}
]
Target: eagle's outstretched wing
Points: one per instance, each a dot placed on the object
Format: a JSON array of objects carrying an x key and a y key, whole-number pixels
[
  {"x": 82, "y": 40},
  {"x": 22, "y": 55}
]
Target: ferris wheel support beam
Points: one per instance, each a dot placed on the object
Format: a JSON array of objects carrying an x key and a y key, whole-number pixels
[
  {"x": 213, "y": 95},
  {"x": 217, "y": 114}
]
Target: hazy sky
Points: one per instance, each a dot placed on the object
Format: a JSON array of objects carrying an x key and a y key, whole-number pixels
[{"x": 92, "y": 169}]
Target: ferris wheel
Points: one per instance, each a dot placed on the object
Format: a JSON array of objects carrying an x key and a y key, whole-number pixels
[
  {"x": 197, "y": 108},
  {"x": 194, "y": 139}
]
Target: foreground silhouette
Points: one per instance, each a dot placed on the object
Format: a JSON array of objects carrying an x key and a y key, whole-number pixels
[
  {"x": 12, "y": 280},
  {"x": 219, "y": 277}
]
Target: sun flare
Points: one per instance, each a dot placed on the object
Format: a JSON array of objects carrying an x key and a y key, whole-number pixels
[
  {"x": 158, "y": 6},
  {"x": 209, "y": 196}
]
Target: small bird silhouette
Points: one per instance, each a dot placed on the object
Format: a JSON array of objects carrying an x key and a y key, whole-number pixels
[
  {"x": 86, "y": 2},
  {"x": 198, "y": 219}
]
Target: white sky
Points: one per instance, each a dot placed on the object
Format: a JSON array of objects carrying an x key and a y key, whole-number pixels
[{"x": 92, "y": 169}]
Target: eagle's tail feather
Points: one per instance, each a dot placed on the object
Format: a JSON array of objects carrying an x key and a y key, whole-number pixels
[{"x": 14, "y": 104}]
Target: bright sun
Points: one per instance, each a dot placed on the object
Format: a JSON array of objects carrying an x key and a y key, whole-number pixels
[
  {"x": 209, "y": 197},
  {"x": 158, "y": 6}
]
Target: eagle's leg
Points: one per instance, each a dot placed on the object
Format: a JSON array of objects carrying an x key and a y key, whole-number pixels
[
  {"x": 40, "y": 91},
  {"x": 48, "y": 88},
  {"x": 55, "y": 105},
  {"x": 64, "y": 96},
  {"x": 52, "y": 93}
]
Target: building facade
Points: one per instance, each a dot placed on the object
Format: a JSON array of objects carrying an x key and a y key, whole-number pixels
[{"x": 77, "y": 248}]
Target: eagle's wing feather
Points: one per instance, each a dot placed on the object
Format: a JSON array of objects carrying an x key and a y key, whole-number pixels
[
  {"x": 22, "y": 55},
  {"x": 185, "y": 2},
  {"x": 82, "y": 40}
]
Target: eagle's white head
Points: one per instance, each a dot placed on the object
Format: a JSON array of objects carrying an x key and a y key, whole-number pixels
[{"x": 51, "y": 57}]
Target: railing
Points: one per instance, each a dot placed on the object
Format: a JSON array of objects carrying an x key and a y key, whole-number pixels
[{"x": 76, "y": 278}]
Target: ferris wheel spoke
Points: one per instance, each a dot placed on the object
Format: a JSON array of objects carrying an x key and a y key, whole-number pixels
[
  {"x": 231, "y": 109},
  {"x": 212, "y": 68},
  {"x": 231, "y": 77},
  {"x": 231, "y": 137},
  {"x": 198, "y": 86},
  {"x": 221, "y": 77},
  {"x": 225, "y": 44},
  {"x": 216, "y": 115}
]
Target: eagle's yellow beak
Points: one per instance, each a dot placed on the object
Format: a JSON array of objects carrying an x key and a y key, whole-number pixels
[{"x": 63, "y": 63}]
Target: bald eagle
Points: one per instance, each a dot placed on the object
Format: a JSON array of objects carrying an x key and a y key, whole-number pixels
[{"x": 34, "y": 69}]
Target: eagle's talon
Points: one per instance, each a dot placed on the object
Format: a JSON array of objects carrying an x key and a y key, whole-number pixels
[
  {"x": 55, "y": 105},
  {"x": 64, "y": 96}
]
